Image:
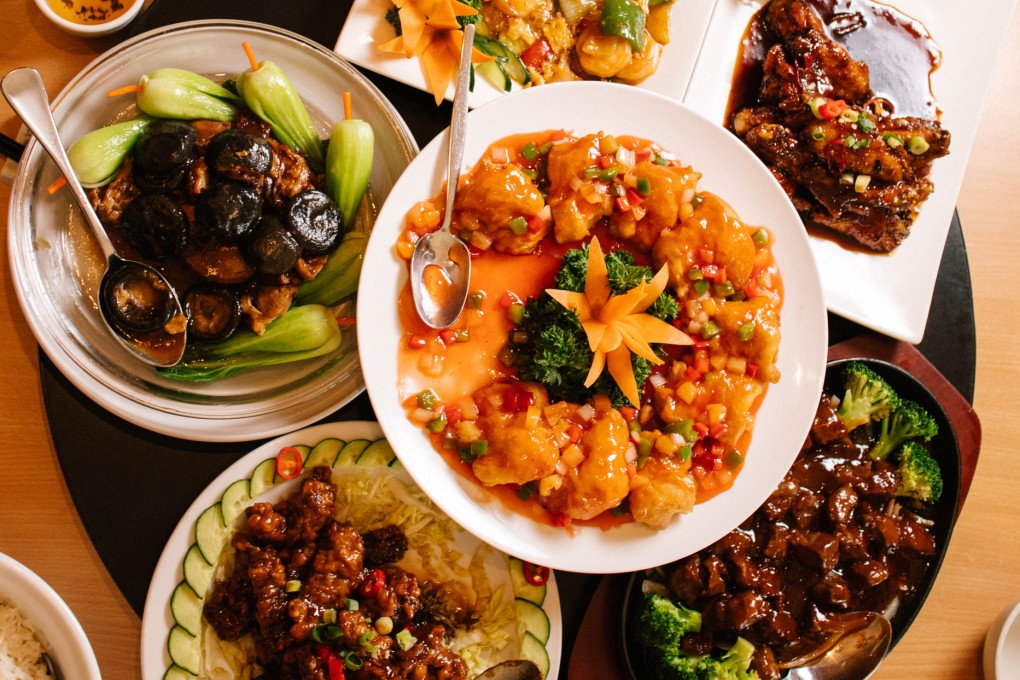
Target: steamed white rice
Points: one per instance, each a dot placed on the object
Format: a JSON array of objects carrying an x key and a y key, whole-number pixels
[{"x": 20, "y": 649}]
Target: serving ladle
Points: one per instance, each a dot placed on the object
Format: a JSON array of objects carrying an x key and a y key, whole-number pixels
[
  {"x": 853, "y": 655},
  {"x": 441, "y": 263},
  {"x": 23, "y": 88}
]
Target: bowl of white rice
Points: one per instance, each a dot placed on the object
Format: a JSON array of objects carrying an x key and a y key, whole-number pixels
[{"x": 34, "y": 620}]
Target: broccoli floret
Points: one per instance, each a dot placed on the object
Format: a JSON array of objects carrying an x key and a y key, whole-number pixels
[
  {"x": 392, "y": 17},
  {"x": 735, "y": 664},
  {"x": 661, "y": 622},
  {"x": 868, "y": 396},
  {"x": 908, "y": 420},
  {"x": 920, "y": 476}
]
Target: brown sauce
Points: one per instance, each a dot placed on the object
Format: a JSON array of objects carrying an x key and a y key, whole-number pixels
[{"x": 900, "y": 53}]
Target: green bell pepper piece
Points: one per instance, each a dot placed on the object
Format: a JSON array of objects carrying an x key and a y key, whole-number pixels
[{"x": 625, "y": 19}]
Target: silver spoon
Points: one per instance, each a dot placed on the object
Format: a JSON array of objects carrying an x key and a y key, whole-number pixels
[
  {"x": 517, "y": 669},
  {"x": 854, "y": 655},
  {"x": 441, "y": 263},
  {"x": 23, "y": 88}
]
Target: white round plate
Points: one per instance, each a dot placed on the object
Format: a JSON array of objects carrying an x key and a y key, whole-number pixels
[
  {"x": 49, "y": 248},
  {"x": 182, "y": 571},
  {"x": 730, "y": 171}
]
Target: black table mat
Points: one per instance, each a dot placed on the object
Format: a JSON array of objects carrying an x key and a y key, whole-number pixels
[{"x": 131, "y": 486}]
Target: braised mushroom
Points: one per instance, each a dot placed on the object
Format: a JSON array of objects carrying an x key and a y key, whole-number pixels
[
  {"x": 272, "y": 249},
  {"x": 155, "y": 226},
  {"x": 314, "y": 220},
  {"x": 136, "y": 300},
  {"x": 239, "y": 155},
  {"x": 214, "y": 313},
  {"x": 228, "y": 211},
  {"x": 165, "y": 146}
]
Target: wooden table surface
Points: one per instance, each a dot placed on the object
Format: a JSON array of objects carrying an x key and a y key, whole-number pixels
[{"x": 981, "y": 574}]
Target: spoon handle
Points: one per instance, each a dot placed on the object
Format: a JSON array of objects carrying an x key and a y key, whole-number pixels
[
  {"x": 457, "y": 127},
  {"x": 24, "y": 90}
]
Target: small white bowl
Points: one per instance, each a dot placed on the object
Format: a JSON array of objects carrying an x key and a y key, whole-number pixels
[
  {"x": 54, "y": 623},
  {"x": 92, "y": 30},
  {"x": 1002, "y": 645}
]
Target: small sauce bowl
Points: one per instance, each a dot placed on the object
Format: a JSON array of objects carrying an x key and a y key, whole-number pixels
[
  {"x": 1002, "y": 645},
  {"x": 105, "y": 17}
]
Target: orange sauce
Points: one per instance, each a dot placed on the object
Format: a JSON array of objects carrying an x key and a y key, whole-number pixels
[
  {"x": 90, "y": 11},
  {"x": 435, "y": 361}
]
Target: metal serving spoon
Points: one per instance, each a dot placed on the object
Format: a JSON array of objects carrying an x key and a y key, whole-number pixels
[
  {"x": 23, "y": 88},
  {"x": 441, "y": 263},
  {"x": 854, "y": 655}
]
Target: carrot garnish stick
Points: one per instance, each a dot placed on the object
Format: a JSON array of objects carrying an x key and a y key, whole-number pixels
[
  {"x": 251, "y": 56},
  {"x": 128, "y": 89},
  {"x": 347, "y": 106},
  {"x": 55, "y": 186}
]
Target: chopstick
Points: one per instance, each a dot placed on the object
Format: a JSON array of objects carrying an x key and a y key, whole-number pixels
[{"x": 10, "y": 148}]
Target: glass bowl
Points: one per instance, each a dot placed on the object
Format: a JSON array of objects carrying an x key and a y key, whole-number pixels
[{"x": 56, "y": 269}]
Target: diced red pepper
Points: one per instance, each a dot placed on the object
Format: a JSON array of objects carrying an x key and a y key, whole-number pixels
[
  {"x": 693, "y": 375},
  {"x": 622, "y": 204},
  {"x": 707, "y": 255},
  {"x": 701, "y": 362},
  {"x": 289, "y": 462},
  {"x": 628, "y": 413},
  {"x": 606, "y": 160},
  {"x": 535, "y": 574},
  {"x": 416, "y": 341},
  {"x": 717, "y": 430},
  {"x": 535, "y": 224},
  {"x": 508, "y": 298},
  {"x": 536, "y": 53},
  {"x": 517, "y": 400},
  {"x": 335, "y": 666},
  {"x": 324, "y": 652},
  {"x": 750, "y": 290},
  {"x": 574, "y": 433},
  {"x": 558, "y": 519},
  {"x": 453, "y": 414},
  {"x": 831, "y": 109},
  {"x": 710, "y": 271},
  {"x": 373, "y": 583},
  {"x": 751, "y": 370},
  {"x": 701, "y": 428},
  {"x": 448, "y": 336}
]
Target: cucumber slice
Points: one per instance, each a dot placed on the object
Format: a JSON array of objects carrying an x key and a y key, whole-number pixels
[
  {"x": 178, "y": 673},
  {"x": 522, "y": 588},
  {"x": 350, "y": 453},
  {"x": 377, "y": 454},
  {"x": 494, "y": 73},
  {"x": 533, "y": 650},
  {"x": 234, "y": 500},
  {"x": 533, "y": 618},
  {"x": 506, "y": 59},
  {"x": 197, "y": 571},
  {"x": 211, "y": 533},
  {"x": 324, "y": 453},
  {"x": 304, "y": 451},
  {"x": 395, "y": 464},
  {"x": 186, "y": 608},
  {"x": 262, "y": 477},
  {"x": 185, "y": 651}
]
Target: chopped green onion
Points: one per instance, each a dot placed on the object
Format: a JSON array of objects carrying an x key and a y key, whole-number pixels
[
  {"x": 846, "y": 178},
  {"x": 427, "y": 399},
  {"x": 518, "y": 225},
  {"x": 849, "y": 116},
  {"x": 745, "y": 331},
  {"x": 818, "y": 134},
  {"x": 643, "y": 186},
  {"x": 383, "y": 625},
  {"x": 292, "y": 586},
  {"x": 351, "y": 660},
  {"x": 861, "y": 183},
  {"x": 365, "y": 641},
  {"x": 760, "y": 237},
  {"x": 815, "y": 104},
  {"x": 351, "y": 604},
  {"x": 917, "y": 145},
  {"x": 405, "y": 639},
  {"x": 529, "y": 151},
  {"x": 865, "y": 124},
  {"x": 329, "y": 616},
  {"x": 709, "y": 330},
  {"x": 893, "y": 140}
]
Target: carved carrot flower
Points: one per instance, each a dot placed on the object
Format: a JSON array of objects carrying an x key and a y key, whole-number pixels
[
  {"x": 430, "y": 30},
  {"x": 616, "y": 325}
]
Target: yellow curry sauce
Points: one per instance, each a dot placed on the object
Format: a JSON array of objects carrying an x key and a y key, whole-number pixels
[{"x": 563, "y": 463}]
